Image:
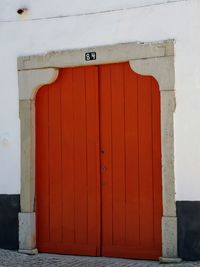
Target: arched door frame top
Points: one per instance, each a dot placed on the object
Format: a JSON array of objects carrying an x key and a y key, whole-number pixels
[{"x": 155, "y": 59}]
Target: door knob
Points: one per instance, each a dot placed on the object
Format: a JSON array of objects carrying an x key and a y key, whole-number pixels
[{"x": 103, "y": 168}]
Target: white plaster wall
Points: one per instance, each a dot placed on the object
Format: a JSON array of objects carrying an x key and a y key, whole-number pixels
[
  {"x": 38, "y": 9},
  {"x": 178, "y": 20}
]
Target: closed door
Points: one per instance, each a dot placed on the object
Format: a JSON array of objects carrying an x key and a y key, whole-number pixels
[
  {"x": 67, "y": 164},
  {"x": 130, "y": 163},
  {"x": 98, "y": 163}
]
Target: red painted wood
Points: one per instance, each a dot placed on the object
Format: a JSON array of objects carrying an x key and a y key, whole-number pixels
[
  {"x": 105, "y": 151},
  {"x": 67, "y": 169},
  {"x": 54, "y": 164},
  {"x": 67, "y": 141},
  {"x": 130, "y": 137},
  {"x": 131, "y": 162},
  {"x": 98, "y": 163},
  {"x": 42, "y": 170},
  {"x": 93, "y": 163},
  {"x": 145, "y": 160},
  {"x": 157, "y": 171}
]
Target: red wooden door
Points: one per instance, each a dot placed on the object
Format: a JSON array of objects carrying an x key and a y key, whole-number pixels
[
  {"x": 98, "y": 163},
  {"x": 130, "y": 163},
  {"x": 67, "y": 164}
]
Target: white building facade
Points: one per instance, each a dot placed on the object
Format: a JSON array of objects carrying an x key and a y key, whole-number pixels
[{"x": 31, "y": 30}]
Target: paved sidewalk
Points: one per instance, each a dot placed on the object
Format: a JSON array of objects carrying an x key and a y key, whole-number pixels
[{"x": 14, "y": 259}]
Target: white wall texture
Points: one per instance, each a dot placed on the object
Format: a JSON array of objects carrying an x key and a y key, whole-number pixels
[
  {"x": 113, "y": 21},
  {"x": 39, "y": 9}
]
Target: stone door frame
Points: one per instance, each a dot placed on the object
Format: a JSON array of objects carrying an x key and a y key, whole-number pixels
[{"x": 155, "y": 59}]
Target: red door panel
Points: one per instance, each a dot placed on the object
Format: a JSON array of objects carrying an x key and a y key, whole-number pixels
[
  {"x": 67, "y": 164},
  {"x": 131, "y": 174},
  {"x": 98, "y": 163}
]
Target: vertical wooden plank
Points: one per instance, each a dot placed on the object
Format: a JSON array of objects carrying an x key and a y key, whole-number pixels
[
  {"x": 157, "y": 172},
  {"x": 67, "y": 141},
  {"x": 131, "y": 156},
  {"x": 145, "y": 161},
  {"x": 106, "y": 155},
  {"x": 93, "y": 172},
  {"x": 80, "y": 156},
  {"x": 55, "y": 162},
  {"x": 42, "y": 164},
  {"x": 118, "y": 153}
]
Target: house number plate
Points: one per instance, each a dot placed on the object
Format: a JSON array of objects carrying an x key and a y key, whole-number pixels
[{"x": 90, "y": 56}]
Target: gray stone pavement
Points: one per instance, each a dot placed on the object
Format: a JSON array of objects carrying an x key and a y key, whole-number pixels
[{"x": 14, "y": 259}]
